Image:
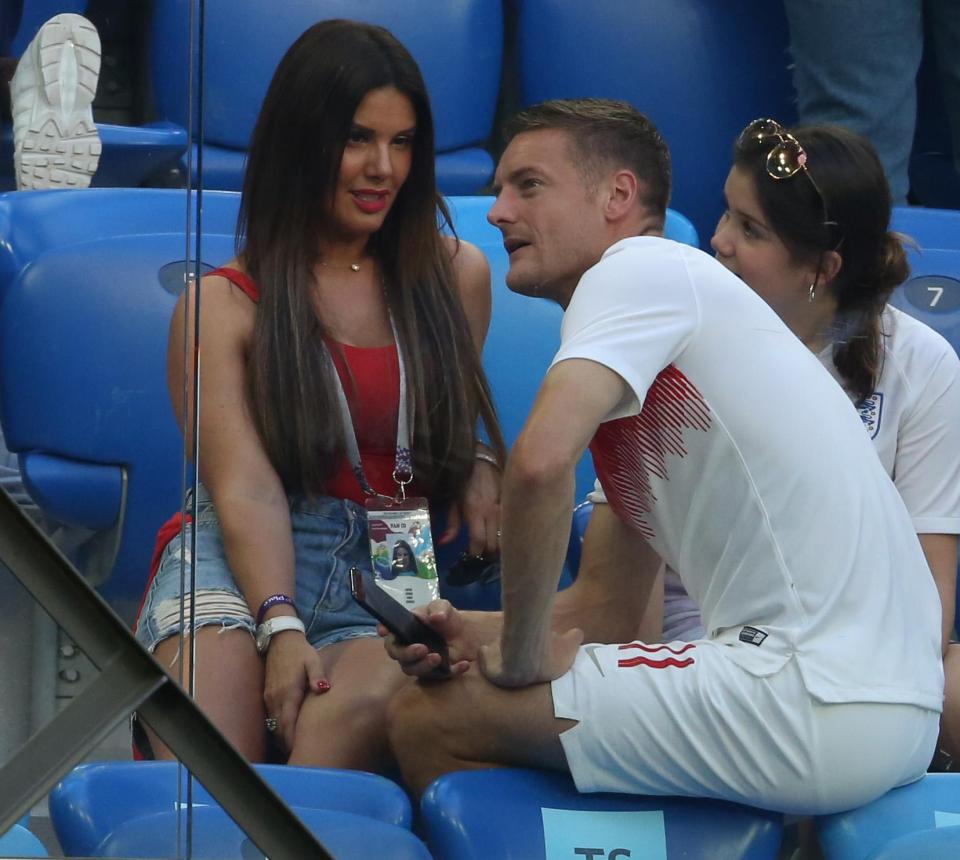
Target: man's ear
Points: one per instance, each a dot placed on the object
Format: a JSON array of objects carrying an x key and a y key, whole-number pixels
[{"x": 622, "y": 193}]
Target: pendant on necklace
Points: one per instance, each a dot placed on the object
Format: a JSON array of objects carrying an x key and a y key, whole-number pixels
[{"x": 355, "y": 267}]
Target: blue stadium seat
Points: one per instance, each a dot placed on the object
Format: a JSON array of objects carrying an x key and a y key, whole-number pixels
[
  {"x": 581, "y": 519},
  {"x": 88, "y": 280},
  {"x": 18, "y": 841},
  {"x": 927, "y": 804},
  {"x": 131, "y": 154},
  {"x": 701, "y": 70},
  {"x": 96, "y": 800},
  {"x": 458, "y": 46},
  {"x": 216, "y": 837},
  {"x": 516, "y": 814},
  {"x": 34, "y": 13},
  {"x": 932, "y": 293},
  {"x": 940, "y": 844}
]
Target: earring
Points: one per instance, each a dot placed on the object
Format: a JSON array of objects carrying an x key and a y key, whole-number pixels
[{"x": 812, "y": 292}]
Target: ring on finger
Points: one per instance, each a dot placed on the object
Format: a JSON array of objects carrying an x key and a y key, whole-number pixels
[{"x": 272, "y": 724}]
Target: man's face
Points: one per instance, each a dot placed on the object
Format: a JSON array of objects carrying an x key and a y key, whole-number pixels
[{"x": 552, "y": 222}]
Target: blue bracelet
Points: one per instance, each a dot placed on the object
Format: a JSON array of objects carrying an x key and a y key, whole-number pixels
[{"x": 273, "y": 600}]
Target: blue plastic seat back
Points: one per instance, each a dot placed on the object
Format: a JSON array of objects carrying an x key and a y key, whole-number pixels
[
  {"x": 215, "y": 837},
  {"x": 701, "y": 70},
  {"x": 458, "y": 46},
  {"x": 88, "y": 281},
  {"x": 932, "y": 293},
  {"x": 940, "y": 844},
  {"x": 35, "y": 13},
  {"x": 516, "y": 814},
  {"x": 96, "y": 800},
  {"x": 927, "y": 804},
  {"x": 524, "y": 332},
  {"x": 581, "y": 519},
  {"x": 18, "y": 841}
]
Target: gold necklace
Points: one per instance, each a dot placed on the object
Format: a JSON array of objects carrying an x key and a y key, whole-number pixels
[{"x": 353, "y": 267}]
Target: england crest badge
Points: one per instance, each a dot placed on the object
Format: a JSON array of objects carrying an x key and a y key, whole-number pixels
[{"x": 871, "y": 411}]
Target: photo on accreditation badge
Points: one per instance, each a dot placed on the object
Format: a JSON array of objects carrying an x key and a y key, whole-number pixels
[{"x": 404, "y": 563}]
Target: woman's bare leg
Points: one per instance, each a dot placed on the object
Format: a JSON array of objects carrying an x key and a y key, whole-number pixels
[
  {"x": 347, "y": 726},
  {"x": 228, "y": 689}
]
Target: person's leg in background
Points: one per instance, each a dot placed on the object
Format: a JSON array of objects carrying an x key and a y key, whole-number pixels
[
  {"x": 10, "y": 13},
  {"x": 56, "y": 144},
  {"x": 855, "y": 65},
  {"x": 945, "y": 30}
]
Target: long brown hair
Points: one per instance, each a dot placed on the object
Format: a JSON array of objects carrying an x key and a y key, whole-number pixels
[
  {"x": 292, "y": 169},
  {"x": 852, "y": 218}
]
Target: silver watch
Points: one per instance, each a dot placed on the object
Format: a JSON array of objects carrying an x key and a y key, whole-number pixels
[{"x": 266, "y": 631}]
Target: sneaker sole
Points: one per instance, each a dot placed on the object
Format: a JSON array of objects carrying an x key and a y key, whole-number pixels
[{"x": 57, "y": 145}]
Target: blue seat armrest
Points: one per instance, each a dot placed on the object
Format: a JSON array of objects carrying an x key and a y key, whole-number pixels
[{"x": 74, "y": 493}]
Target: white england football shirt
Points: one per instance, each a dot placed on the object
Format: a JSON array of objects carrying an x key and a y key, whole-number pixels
[{"x": 747, "y": 470}]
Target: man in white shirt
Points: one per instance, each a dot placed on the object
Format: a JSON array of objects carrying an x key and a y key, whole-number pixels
[{"x": 724, "y": 449}]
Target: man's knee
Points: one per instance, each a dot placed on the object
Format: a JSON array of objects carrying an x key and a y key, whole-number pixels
[{"x": 409, "y": 717}]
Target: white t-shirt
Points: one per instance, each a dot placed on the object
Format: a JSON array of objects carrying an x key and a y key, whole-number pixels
[
  {"x": 745, "y": 467},
  {"x": 913, "y": 418}
]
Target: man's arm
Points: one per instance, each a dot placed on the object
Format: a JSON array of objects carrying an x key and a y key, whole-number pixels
[
  {"x": 618, "y": 593},
  {"x": 537, "y": 504}
]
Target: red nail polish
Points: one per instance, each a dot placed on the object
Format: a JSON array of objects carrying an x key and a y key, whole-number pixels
[{"x": 323, "y": 686}]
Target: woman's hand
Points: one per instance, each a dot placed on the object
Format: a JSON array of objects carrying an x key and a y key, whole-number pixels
[
  {"x": 293, "y": 669},
  {"x": 557, "y": 657},
  {"x": 480, "y": 510}
]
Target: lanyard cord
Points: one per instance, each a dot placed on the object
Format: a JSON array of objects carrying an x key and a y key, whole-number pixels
[{"x": 402, "y": 464}]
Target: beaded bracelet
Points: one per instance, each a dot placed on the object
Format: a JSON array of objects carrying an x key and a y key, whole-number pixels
[{"x": 273, "y": 600}]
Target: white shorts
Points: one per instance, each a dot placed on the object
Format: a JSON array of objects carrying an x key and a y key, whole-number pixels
[{"x": 684, "y": 719}]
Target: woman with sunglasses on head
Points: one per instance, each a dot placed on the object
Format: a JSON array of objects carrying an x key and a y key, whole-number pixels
[
  {"x": 807, "y": 228},
  {"x": 341, "y": 363}
]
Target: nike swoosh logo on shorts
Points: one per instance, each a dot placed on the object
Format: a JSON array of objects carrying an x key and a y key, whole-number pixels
[{"x": 590, "y": 649}]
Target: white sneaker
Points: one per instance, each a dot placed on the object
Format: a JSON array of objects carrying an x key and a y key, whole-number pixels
[{"x": 55, "y": 142}]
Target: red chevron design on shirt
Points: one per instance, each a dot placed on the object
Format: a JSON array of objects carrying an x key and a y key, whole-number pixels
[{"x": 627, "y": 451}]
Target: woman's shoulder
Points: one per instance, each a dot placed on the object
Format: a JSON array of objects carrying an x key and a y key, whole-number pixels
[
  {"x": 910, "y": 341},
  {"x": 470, "y": 266},
  {"x": 230, "y": 279},
  {"x": 227, "y": 310}
]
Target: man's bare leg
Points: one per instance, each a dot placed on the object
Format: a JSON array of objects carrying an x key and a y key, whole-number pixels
[{"x": 469, "y": 724}]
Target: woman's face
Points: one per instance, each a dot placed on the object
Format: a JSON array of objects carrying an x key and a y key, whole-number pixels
[
  {"x": 749, "y": 248},
  {"x": 376, "y": 162},
  {"x": 401, "y": 556}
]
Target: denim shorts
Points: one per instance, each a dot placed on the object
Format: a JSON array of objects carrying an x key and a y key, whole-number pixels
[{"x": 329, "y": 537}]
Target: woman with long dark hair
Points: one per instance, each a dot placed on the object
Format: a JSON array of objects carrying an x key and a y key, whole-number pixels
[{"x": 341, "y": 362}]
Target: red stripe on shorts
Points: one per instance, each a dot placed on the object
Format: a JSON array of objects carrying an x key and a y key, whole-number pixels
[
  {"x": 666, "y": 663},
  {"x": 653, "y": 649}
]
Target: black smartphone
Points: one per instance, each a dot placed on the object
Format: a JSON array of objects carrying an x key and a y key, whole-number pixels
[{"x": 399, "y": 620}]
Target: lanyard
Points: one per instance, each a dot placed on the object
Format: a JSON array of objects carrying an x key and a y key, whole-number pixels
[{"x": 402, "y": 464}]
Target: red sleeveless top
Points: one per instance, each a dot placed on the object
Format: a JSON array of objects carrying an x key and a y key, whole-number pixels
[{"x": 371, "y": 380}]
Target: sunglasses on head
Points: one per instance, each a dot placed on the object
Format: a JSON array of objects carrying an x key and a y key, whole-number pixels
[{"x": 786, "y": 157}]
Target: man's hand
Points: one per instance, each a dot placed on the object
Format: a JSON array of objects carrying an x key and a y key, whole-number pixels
[
  {"x": 557, "y": 658},
  {"x": 464, "y": 633}
]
